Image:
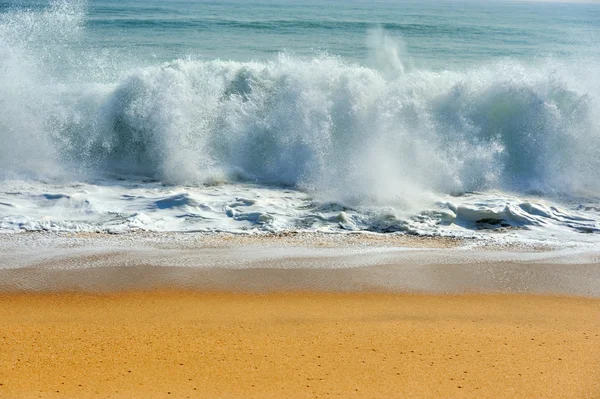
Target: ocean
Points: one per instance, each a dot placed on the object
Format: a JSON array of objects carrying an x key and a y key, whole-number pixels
[{"x": 476, "y": 119}]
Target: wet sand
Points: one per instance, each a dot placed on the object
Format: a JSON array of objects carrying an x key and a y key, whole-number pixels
[
  {"x": 178, "y": 343},
  {"x": 274, "y": 275},
  {"x": 295, "y": 262}
]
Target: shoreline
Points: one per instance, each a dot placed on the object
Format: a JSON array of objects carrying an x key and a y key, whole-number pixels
[
  {"x": 174, "y": 343},
  {"x": 577, "y": 280},
  {"x": 294, "y": 262}
]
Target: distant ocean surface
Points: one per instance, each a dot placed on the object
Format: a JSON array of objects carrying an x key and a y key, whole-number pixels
[{"x": 458, "y": 118}]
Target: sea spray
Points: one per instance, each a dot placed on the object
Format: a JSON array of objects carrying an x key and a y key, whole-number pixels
[{"x": 327, "y": 125}]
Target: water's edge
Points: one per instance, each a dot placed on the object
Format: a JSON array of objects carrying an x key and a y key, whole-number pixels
[{"x": 337, "y": 263}]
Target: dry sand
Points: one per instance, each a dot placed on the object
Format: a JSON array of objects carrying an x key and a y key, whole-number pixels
[{"x": 298, "y": 345}]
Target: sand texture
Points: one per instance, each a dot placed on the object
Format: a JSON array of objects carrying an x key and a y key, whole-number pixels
[{"x": 298, "y": 345}]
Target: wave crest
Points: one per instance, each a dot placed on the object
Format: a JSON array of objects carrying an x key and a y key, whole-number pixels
[{"x": 338, "y": 129}]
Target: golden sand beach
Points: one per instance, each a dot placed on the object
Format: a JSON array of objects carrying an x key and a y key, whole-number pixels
[{"x": 188, "y": 344}]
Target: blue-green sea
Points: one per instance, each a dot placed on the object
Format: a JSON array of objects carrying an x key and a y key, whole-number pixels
[
  {"x": 433, "y": 33},
  {"x": 450, "y": 117}
]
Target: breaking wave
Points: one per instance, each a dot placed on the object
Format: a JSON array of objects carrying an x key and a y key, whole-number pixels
[{"x": 383, "y": 134}]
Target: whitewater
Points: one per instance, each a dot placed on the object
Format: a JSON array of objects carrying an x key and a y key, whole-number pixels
[{"x": 96, "y": 139}]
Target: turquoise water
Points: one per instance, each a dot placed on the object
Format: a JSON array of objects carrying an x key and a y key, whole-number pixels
[
  {"x": 436, "y": 34},
  {"x": 433, "y": 117}
]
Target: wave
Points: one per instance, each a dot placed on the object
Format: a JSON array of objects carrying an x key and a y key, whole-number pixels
[{"x": 383, "y": 134}]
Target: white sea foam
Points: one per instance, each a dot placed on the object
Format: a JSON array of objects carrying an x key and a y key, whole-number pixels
[
  {"x": 120, "y": 207},
  {"x": 290, "y": 144}
]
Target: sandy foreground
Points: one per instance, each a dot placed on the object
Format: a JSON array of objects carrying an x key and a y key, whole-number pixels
[
  {"x": 175, "y": 343},
  {"x": 295, "y": 316}
]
